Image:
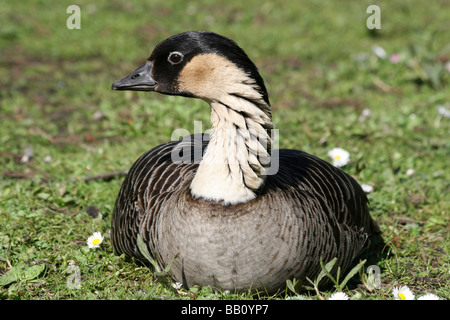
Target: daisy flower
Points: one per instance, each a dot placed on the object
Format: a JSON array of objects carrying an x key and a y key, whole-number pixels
[
  {"x": 364, "y": 114},
  {"x": 379, "y": 52},
  {"x": 394, "y": 58},
  {"x": 367, "y": 188},
  {"x": 429, "y": 296},
  {"x": 177, "y": 285},
  {"x": 340, "y": 157},
  {"x": 443, "y": 111},
  {"x": 338, "y": 296},
  {"x": 402, "y": 293},
  {"x": 95, "y": 240}
]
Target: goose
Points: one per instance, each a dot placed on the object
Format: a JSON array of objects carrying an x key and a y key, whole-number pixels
[{"x": 222, "y": 208}]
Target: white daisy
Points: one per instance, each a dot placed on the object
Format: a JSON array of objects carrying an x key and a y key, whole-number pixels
[
  {"x": 338, "y": 296},
  {"x": 367, "y": 188},
  {"x": 177, "y": 285},
  {"x": 364, "y": 114},
  {"x": 429, "y": 296},
  {"x": 402, "y": 293},
  {"x": 443, "y": 111},
  {"x": 95, "y": 240},
  {"x": 379, "y": 52},
  {"x": 340, "y": 157}
]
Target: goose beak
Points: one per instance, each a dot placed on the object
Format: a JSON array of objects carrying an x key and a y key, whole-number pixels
[{"x": 140, "y": 80}]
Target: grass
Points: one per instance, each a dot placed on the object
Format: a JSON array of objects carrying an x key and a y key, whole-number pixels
[{"x": 321, "y": 74}]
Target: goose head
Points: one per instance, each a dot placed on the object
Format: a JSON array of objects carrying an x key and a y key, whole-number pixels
[
  {"x": 211, "y": 67},
  {"x": 197, "y": 64}
]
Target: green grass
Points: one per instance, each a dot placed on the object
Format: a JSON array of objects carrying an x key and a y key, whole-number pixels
[{"x": 321, "y": 73}]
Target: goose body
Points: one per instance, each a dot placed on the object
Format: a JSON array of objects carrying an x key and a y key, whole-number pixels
[{"x": 226, "y": 209}]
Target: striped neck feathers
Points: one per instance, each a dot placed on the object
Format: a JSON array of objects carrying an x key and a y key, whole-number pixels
[
  {"x": 234, "y": 164},
  {"x": 238, "y": 154}
]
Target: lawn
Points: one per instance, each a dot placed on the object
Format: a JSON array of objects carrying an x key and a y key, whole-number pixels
[{"x": 66, "y": 138}]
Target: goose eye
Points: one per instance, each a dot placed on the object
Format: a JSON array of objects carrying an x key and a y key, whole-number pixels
[{"x": 175, "y": 57}]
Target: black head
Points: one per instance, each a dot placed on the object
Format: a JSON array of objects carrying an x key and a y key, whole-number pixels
[{"x": 196, "y": 64}]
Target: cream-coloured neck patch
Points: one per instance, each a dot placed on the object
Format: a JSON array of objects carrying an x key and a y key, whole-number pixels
[{"x": 211, "y": 77}]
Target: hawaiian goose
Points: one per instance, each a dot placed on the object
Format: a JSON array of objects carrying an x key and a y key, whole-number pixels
[{"x": 227, "y": 210}]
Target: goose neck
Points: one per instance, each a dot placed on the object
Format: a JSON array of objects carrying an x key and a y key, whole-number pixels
[{"x": 238, "y": 154}]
